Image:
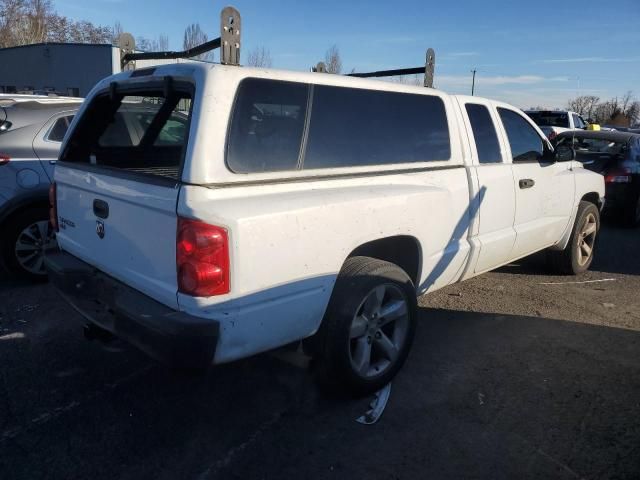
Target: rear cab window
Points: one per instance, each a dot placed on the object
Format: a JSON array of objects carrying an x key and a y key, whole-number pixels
[
  {"x": 284, "y": 126},
  {"x": 550, "y": 119},
  {"x": 140, "y": 132},
  {"x": 484, "y": 133}
]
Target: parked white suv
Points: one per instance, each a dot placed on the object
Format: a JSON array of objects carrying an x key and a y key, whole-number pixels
[{"x": 246, "y": 209}]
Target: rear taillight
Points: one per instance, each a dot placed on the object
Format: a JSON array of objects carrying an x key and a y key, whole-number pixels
[
  {"x": 4, "y": 159},
  {"x": 53, "y": 207},
  {"x": 619, "y": 175},
  {"x": 202, "y": 259},
  {"x": 552, "y": 135}
]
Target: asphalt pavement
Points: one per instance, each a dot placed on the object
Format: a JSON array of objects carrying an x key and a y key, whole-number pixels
[{"x": 514, "y": 374}]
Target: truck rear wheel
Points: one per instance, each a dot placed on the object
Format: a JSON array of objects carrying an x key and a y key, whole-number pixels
[
  {"x": 368, "y": 327},
  {"x": 577, "y": 256}
]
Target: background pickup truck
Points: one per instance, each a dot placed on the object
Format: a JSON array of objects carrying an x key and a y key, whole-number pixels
[
  {"x": 237, "y": 210},
  {"x": 553, "y": 122}
]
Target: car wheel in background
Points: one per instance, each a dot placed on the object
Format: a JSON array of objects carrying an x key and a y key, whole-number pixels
[
  {"x": 28, "y": 237},
  {"x": 368, "y": 328},
  {"x": 577, "y": 256}
]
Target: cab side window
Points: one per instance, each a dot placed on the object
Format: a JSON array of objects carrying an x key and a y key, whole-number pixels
[
  {"x": 352, "y": 127},
  {"x": 526, "y": 144},
  {"x": 484, "y": 133},
  {"x": 577, "y": 121}
]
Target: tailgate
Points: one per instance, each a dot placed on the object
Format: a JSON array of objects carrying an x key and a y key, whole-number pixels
[{"x": 117, "y": 187}]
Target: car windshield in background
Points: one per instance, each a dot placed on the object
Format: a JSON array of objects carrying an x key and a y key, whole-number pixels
[
  {"x": 144, "y": 134},
  {"x": 595, "y": 145},
  {"x": 550, "y": 119}
]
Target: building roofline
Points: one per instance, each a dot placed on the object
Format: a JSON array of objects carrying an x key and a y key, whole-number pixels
[{"x": 46, "y": 44}]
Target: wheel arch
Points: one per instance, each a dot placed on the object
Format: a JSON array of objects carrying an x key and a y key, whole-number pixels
[
  {"x": 591, "y": 197},
  {"x": 12, "y": 210},
  {"x": 402, "y": 250},
  {"x": 20, "y": 203}
]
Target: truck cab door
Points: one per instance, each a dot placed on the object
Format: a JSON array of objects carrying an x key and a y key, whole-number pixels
[
  {"x": 47, "y": 142},
  {"x": 494, "y": 193},
  {"x": 544, "y": 188}
]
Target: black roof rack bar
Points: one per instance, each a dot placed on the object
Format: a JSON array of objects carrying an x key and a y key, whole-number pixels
[
  {"x": 389, "y": 73},
  {"x": 228, "y": 43},
  {"x": 190, "y": 52},
  {"x": 427, "y": 70}
]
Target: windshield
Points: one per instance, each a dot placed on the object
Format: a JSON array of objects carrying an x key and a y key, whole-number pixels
[
  {"x": 550, "y": 119},
  {"x": 595, "y": 145}
]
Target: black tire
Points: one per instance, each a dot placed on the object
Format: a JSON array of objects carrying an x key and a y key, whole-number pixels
[
  {"x": 571, "y": 260},
  {"x": 14, "y": 226},
  {"x": 334, "y": 349}
]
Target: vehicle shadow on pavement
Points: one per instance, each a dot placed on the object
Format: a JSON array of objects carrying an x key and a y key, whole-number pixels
[
  {"x": 482, "y": 395},
  {"x": 618, "y": 251}
]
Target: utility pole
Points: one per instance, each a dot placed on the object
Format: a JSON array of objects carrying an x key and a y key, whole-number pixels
[{"x": 473, "y": 81}]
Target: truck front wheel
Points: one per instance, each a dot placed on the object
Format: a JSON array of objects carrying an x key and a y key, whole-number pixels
[
  {"x": 577, "y": 256},
  {"x": 368, "y": 327}
]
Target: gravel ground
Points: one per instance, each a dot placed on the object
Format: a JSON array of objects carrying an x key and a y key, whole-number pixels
[{"x": 514, "y": 374}]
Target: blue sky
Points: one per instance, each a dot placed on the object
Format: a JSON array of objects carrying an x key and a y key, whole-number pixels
[{"x": 527, "y": 53}]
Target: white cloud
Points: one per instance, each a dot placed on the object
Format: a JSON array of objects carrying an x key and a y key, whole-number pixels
[
  {"x": 458, "y": 80},
  {"x": 592, "y": 60}
]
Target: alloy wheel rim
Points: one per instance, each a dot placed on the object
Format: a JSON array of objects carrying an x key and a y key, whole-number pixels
[
  {"x": 587, "y": 239},
  {"x": 31, "y": 245},
  {"x": 378, "y": 330}
]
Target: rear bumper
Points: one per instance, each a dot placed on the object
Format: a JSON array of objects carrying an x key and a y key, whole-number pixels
[{"x": 172, "y": 337}]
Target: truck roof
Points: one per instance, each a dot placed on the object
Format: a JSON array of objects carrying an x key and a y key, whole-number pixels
[{"x": 206, "y": 69}]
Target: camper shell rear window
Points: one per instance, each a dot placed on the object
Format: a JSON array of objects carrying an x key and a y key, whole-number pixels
[{"x": 141, "y": 131}]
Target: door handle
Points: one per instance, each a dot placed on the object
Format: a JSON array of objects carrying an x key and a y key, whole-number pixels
[
  {"x": 100, "y": 208},
  {"x": 526, "y": 183}
]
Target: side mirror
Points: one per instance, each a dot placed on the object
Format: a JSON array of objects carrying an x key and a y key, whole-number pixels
[{"x": 565, "y": 153}]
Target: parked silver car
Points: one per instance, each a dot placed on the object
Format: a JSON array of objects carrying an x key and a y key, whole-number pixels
[{"x": 31, "y": 131}]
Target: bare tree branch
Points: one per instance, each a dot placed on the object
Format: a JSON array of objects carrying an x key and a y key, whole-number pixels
[
  {"x": 194, "y": 36},
  {"x": 332, "y": 60},
  {"x": 259, "y": 57},
  {"x": 23, "y": 22},
  {"x": 626, "y": 109}
]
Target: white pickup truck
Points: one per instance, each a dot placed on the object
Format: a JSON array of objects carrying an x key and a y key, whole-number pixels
[
  {"x": 553, "y": 122},
  {"x": 207, "y": 213}
]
